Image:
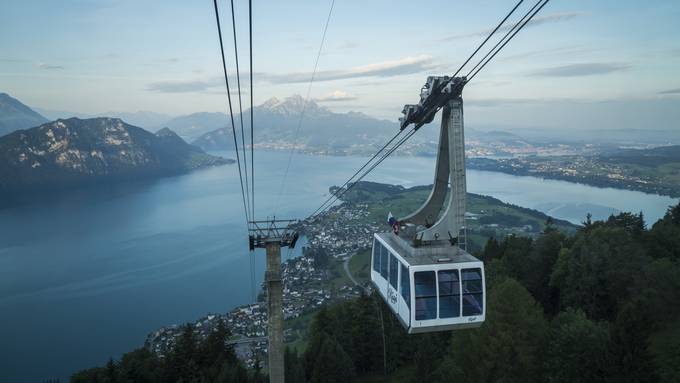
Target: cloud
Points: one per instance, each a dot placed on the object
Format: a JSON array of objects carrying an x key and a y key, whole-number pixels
[
  {"x": 567, "y": 51},
  {"x": 582, "y": 69},
  {"x": 49, "y": 67},
  {"x": 335, "y": 96},
  {"x": 213, "y": 85},
  {"x": 349, "y": 45},
  {"x": 551, "y": 18},
  {"x": 544, "y": 101},
  {"x": 494, "y": 102},
  {"x": 493, "y": 83},
  {"x": 182, "y": 86},
  {"x": 670, "y": 91},
  {"x": 403, "y": 66}
]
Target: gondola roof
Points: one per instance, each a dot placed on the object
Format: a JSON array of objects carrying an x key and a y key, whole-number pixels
[{"x": 433, "y": 253}]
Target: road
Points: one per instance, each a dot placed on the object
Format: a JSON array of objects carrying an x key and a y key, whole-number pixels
[{"x": 346, "y": 266}]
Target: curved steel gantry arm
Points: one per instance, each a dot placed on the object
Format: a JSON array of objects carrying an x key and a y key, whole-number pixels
[
  {"x": 427, "y": 214},
  {"x": 450, "y": 167}
]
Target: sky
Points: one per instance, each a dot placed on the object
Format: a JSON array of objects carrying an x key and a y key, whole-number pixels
[{"x": 583, "y": 64}]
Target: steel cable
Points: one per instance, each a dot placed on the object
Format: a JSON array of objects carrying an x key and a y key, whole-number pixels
[{"x": 231, "y": 113}]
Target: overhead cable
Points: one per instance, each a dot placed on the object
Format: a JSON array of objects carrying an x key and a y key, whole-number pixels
[
  {"x": 524, "y": 20},
  {"x": 231, "y": 113},
  {"x": 240, "y": 107},
  {"x": 351, "y": 182},
  {"x": 304, "y": 105},
  {"x": 489, "y": 36}
]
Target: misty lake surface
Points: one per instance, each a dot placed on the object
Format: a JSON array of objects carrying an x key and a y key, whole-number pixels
[{"x": 86, "y": 275}]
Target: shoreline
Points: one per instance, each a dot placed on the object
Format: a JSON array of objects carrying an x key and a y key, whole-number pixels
[{"x": 472, "y": 164}]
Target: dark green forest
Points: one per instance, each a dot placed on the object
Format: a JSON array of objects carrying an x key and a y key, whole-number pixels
[
  {"x": 191, "y": 360},
  {"x": 602, "y": 305}
]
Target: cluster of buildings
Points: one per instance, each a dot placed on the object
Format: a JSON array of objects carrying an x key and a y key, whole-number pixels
[
  {"x": 342, "y": 231},
  {"x": 303, "y": 286},
  {"x": 582, "y": 167},
  {"x": 305, "y": 289}
]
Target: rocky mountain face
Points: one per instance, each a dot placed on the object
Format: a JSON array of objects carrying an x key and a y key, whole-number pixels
[
  {"x": 14, "y": 115},
  {"x": 276, "y": 123},
  {"x": 71, "y": 151}
]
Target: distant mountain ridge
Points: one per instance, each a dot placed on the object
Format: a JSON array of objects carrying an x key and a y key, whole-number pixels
[
  {"x": 192, "y": 126},
  {"x": 14, "y": 115},
  {"x": 74, "y": 150},
  {"x": 278, "y": 124}
]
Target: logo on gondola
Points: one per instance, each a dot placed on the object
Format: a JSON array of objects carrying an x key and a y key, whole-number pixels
[
  {"x": 472, "y": 319},
  {"x": 392, "y": 295}
]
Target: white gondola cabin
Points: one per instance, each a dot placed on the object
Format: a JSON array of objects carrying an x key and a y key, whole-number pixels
[
  {"x": 421, "y": 268},
  {"x": 429, "y": 289}
]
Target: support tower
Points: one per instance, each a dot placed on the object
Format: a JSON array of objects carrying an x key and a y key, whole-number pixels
[{"x": 272, "y": 235}]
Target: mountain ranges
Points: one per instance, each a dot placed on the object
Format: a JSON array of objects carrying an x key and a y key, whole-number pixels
[
  {"x": 292, "y": 123},
  {"x": 73, "y": 151},
  {"x": 15, "y": 115}
]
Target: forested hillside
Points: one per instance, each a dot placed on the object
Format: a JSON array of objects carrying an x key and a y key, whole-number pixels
[
  {"x": 600, "y": 306},
  {"x": 191, "y": 361}
]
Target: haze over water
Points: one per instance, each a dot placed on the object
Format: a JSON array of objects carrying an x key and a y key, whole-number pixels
[{"x": 87, "y": 274}]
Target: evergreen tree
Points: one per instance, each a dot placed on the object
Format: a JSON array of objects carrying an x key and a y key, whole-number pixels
[
  {"x": 181, "y": 364},
  {"x": 659, "y": 285},
  {"x": 295, "y": 372},
  {"x": 673, "y": 214},
  {"x": 428, "y": 352},
  {"x": 111, "y": 371},
  {"x": 214, "y": 351},
  {"x": 631, "y": 358},
  {"x": 258, "y": 376},
  {"x": 492, "y": 250},
  {"x": 508, "y": 347},
  {"x": 333, "y": 365},
  {"x": 663, "y": 240},
  {"x": 365, "y": 330},
  {"x": 665, "y": 350},
  {"x": 539, "y": 265},
  {"x": 140, "y": 366},
  {"x": 597, "y": 272},
  {"x": 91, "y": 375},
  {"x": 515, "y": 256},
  {"x": 588, "y": 222},
  {"x": 317, "y": 333},
  {"x": 577, "y": 349},
  {"x": 400, "y": 347},
  {"x": 232, "y": 373},
  {"x": 631, "y": 223}
]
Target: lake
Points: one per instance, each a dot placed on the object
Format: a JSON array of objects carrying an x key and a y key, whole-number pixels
[{"x": 86, "y": 275}]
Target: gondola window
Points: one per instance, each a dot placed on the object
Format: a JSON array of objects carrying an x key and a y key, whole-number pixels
[
  {"x": 449, "y": 294},
  {"x": 405, "y": 286},
  {"x": 426, "y": 295},
  {"x": 394, "y": 271},
  {"x": 473, "y": 298}
]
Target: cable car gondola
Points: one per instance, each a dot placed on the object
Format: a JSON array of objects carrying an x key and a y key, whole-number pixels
[
  {"x": 428, "y": 288},
  {"x": 421, "y": 268}
]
